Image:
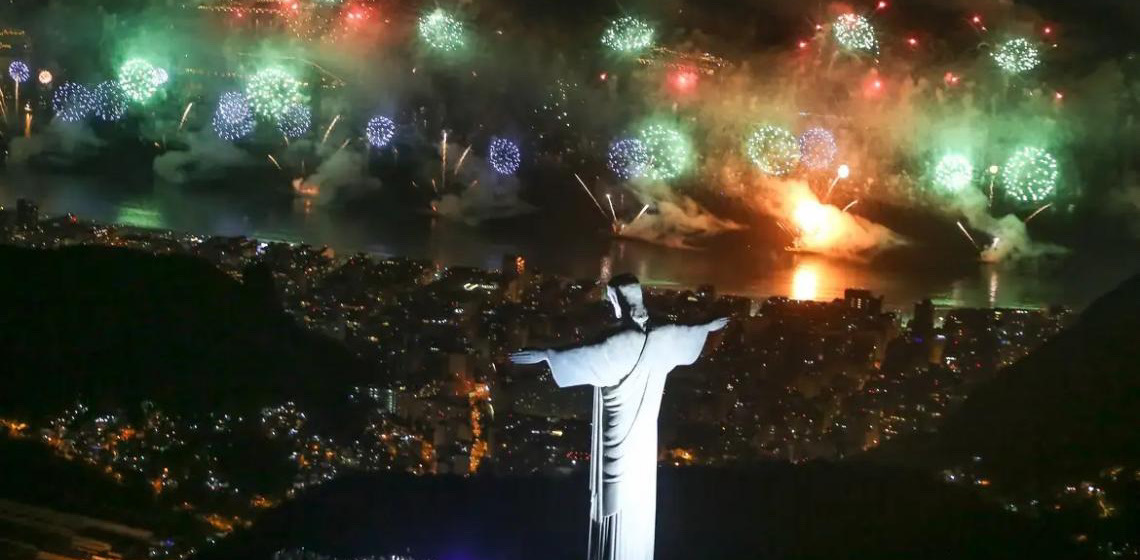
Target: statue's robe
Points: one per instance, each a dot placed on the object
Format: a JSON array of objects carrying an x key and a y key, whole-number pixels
[{"x": 628, "y": 370}]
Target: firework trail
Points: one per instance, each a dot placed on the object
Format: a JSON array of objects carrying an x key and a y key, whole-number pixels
[
  {"x": 590, "y": 194},
  {"x": 185, "y": 113},
  {"x": 274, "y": 161},
  {"x": 850, "y": 204},
  {"x": 610, "y": 200},
  {"x": 639, "y": 214},
  {"x": 1038, "y": 211},
  {"x": 443, "y": 160},
  {"x": 462, "y": 157},
  {"x": 329, "y": 129},
  {"x": 968, "y": 236}
]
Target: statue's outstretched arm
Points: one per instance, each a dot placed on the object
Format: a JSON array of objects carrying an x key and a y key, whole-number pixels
[
  {"x": 601, "y": 364},
  {"x": 716, "y": 324}
]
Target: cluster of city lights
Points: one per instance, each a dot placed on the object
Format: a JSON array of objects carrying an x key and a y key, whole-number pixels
[{"x": 504, "y": 156}]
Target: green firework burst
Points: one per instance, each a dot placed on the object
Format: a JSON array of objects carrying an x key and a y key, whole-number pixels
[
  {"x": 953, "y": 173},
  {"x": 441, "y": 31},
  {"x": 670, "y": 151},
  {"x": 1017, "y": 56},
  {"x": 855, "y": 33},
  {"x": 1030, "y": 175},
  {"x": 628, "y": 35},
  {"x": 774, "y": 150},
  {"x": 273, "y": 92},
  {"x": 137, "y": 80}
]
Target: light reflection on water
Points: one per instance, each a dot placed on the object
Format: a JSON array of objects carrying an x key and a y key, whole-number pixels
[
  {"x": 732, "y": 268},
  {"x": 805, "y": 282}
]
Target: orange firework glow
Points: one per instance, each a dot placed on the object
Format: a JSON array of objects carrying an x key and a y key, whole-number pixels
[
  {"x": 815, "y": 223},
  {"x": 303, "y": 189},
  {"x": 805, "y": 282}
]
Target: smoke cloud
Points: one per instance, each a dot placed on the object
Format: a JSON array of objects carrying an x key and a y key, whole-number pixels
[
  {"x": 206, "y": 158},
  {"x": 677, "y": 223},
  {"x": 342, "y": 175},
  {"x": 62, "y": 142},
  {"x": 473, "y": 193}
]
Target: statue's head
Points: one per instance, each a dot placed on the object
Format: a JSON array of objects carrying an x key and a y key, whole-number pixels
[{"x": 624, "y": 293}]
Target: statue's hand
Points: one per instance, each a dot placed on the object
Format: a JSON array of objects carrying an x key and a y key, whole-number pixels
[
  {"x": 716, "y": 324},
  {"x": 529, "y": 357}
]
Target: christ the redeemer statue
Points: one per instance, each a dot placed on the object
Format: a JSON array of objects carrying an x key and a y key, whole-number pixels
[{"x": 627, "y": 370}]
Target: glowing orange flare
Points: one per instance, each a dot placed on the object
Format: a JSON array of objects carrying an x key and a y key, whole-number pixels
[
  {"x": 805, "y": 282},
  {"x": 812, "y": 220}
]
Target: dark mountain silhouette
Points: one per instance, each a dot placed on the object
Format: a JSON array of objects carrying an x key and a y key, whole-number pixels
[
  {"x": 1068, "y": 410},
  {"x": 773, "y": 511},
  {"x": 116, "y": 327},
  {"x": 34, "y": 475}
]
